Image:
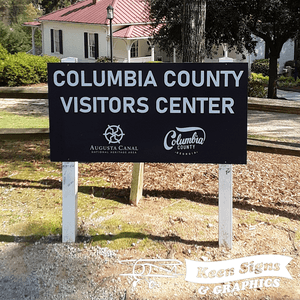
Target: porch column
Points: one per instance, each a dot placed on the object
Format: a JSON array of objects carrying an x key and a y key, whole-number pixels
[
  {"x": 152, "y": 53},
  {"x": 174, "y": 55},
  {"x": 128, "y": 53},
  {"x": 32, "y": 39},
  {"x": 129, "y": 44}
]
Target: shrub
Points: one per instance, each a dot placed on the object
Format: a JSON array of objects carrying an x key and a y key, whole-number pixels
[
  {"x": 3, "y": 53},
  {"x": 40, "y": 66},
  {"x": 288, "y": 82},
  {"x": 23, "y": 69},
  {"x": 105, "y": 59},
  {"x": 260, "y": 66},
  {"x": 3, "y": 56},
  {"x": 257, "y": 85},
  {"x": 15, "y": 38}
]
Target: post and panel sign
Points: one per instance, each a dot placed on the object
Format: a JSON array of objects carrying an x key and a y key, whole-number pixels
[{"x": 192, "y": 113}]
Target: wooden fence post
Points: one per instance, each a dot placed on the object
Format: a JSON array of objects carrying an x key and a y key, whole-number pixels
[{"x": 137, "y": 183}]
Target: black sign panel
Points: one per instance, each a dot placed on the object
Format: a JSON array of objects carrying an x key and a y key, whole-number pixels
[{"x": 193, "y": 113}]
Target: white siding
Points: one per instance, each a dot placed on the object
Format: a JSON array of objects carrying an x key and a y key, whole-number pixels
[
  {"x": 287, "y": 53},
  {"x": 73, "y": 39},
  {"x": 119, "y": 49}
]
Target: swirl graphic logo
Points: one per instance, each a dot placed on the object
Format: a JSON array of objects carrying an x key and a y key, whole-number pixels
[{"x": 113, "y": 134}]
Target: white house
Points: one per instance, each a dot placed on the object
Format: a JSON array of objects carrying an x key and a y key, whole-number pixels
[
  {"x": 82, "y": 30},
  {"x": 286, "y": 54}
]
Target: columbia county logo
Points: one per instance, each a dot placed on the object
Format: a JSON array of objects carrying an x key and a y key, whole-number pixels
[
  {"x": 185, "y": 141},
  {"x": 113, "y": 134}
]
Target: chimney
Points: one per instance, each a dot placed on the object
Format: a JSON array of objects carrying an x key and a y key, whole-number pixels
[{"x": 95, "y": 1}]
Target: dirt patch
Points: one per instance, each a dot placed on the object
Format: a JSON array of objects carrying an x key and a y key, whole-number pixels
[
  {"x": 179, "y": 214},
  {"x": 180, "y": 209}
]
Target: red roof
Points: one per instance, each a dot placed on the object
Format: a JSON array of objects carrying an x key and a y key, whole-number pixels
[
  {"x": 125, "y": 12},
  {"x": 135, "y": 31},
  {"x": 32, "y": 24}
]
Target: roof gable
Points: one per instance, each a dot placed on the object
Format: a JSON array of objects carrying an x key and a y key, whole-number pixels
[
  {"x": 136, "y": 31},
  {"x": 125, "y": 12}
]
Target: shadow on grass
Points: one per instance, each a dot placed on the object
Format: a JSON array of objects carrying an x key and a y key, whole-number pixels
[
  {"x": 24, "y": 148},
  {"x": 26, "y": 239},
  {"x": 97, "y": 238},
  {"x": 154, "y": 238},
  {"x": 121, "y": 195},
  {"x": 30, "y": 184}
]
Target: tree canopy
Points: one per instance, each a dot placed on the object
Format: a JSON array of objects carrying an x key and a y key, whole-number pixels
[
  {"x": 51, "y": 5},
  {"x": 184, "y": 27},
  {"x": 234, "y": 22},
  {"x": 275, "y": 21}
]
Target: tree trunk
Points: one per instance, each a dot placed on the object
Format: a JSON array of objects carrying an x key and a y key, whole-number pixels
[
  {"x": 193, "y": 30},
  {"x": 272, "y": 88}
]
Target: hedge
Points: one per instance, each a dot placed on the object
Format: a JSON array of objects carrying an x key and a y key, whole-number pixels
[
  {"x": 3, "y": 53},
  {"x": 260, "y": 66},
  {"x": 23, "y": 69},
  {"x": 257, "y": 85}
]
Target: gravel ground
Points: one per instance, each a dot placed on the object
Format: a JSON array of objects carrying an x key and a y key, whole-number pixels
[{"x": 55, "y": 271}]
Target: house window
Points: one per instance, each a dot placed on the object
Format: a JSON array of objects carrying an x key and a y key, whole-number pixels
[
  {"x": 134, "y": 52},
  {"x": 56, "y": 41},
  {"x": 91, "y": 45}
]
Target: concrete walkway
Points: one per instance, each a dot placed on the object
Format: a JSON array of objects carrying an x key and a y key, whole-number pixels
[
  {"x": 276, "y": 125},
  {"x": 295, "y": 96}
]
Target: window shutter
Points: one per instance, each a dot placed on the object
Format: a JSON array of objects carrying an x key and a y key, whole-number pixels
[
  {"x": 96, "y": 46},
  {"x": 60, "y": 42},
  {"x": 52, "y": 40},
  {"x": 86, "y": 45}
]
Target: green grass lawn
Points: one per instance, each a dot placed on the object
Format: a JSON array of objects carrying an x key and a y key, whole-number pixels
[
  {"x": 10, "y": 120},
  {"x": 31, "y": 199}
]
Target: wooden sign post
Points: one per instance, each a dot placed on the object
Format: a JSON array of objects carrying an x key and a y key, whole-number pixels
[
  {"x": 225, "y": 192},
  {"x": 225, "y": 206},
  {"x": 69, "y": 201},
  {"x": 136, "y": 191},
  {"x": 69, "y": 192}
]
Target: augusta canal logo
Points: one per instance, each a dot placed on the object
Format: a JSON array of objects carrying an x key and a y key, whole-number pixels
[
  {"x": 184, "y": 141},
  {"x": 113, "y": 135}
]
